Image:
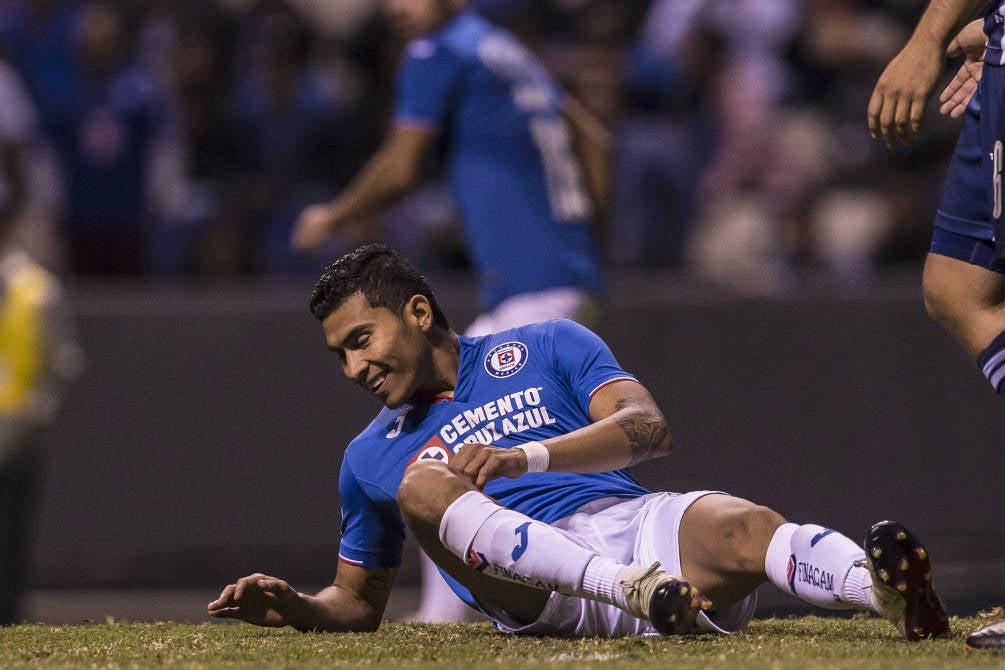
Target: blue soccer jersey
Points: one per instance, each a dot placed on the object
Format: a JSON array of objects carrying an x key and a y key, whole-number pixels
[
  {"x": 510, "y": 162},
  {"x": 524, "y": 384},
  {"x": 994, "y": 28}
]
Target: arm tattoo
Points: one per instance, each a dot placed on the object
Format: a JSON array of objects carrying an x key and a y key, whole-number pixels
[{"x": 645, "y": 430}]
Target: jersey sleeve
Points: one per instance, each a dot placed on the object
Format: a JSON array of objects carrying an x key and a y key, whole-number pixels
[
  {"x": 372, "y": 528},
  {"x": 584, "y": 360},
  {"x": 427, "y": 83}
]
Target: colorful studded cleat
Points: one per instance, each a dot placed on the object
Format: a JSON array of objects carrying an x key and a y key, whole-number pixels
[
  {"x": 903, "y": 586},
  {"x": 669, "y": 603}
]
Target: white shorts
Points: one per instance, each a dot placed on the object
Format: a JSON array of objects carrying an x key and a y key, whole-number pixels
[
  {"x": 636, "y": 532},
  {"x": 554, "y": 303}
]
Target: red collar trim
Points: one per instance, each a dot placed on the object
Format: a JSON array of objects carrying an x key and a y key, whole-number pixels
[{"x": 433, "y": 398}]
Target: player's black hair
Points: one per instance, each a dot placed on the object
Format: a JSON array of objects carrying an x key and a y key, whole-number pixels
[{"x": 384, "y": 276}]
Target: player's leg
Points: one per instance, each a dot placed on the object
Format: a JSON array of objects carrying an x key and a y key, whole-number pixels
[
  {"x": 729, "y": 545},
  {"x": 513, "y": 562},
  {"x": 723, "y": 542},
  {"x": 968, "y": 300},
  {"x": 964, "y": 279}
]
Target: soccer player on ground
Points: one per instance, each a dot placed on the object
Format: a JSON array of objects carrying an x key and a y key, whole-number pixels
[
  {"x": 964, "y": 278},
  {"x": 527, "y": 166},
  {"x": 505, "y": 456}
]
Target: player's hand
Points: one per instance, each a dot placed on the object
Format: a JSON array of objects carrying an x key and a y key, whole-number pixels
[
  {"x": 481, "y": 463},
  {"x": 314, "y": 226},
  {"x": 257, "y": 599},
  {"x": 897, "y": 104},
  {"x": 970, "y": 42}
]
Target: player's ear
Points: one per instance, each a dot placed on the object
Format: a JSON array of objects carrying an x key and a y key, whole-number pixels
[{"x": 420, "y": 312}]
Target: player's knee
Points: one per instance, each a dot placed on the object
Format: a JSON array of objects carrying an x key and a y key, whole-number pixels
[
  {"x": 939, "y": 306},
  {"x": 746, "y": 530},
  {"x": 426, "y": 490}
]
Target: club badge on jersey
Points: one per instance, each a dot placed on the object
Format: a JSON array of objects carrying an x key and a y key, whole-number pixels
[{"x": 506, "y": 359}]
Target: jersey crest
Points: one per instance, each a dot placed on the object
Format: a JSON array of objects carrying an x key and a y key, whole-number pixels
[{"x": 506, "y": 359}]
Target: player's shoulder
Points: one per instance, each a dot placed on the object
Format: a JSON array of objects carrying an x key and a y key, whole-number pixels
[
  {"x": 377, "y": 429},
  {"x": 458, "y": 39},
  {"x": 553, "y": 328},
  {"x": 550, "y": 334}
]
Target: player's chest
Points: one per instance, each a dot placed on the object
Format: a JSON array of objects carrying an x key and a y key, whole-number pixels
[{"x": 501, "y": 414}]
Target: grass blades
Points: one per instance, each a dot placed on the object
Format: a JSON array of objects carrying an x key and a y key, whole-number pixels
[{"x": 778, "y": 644}]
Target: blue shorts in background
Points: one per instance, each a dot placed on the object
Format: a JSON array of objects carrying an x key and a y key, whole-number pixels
[{"x": 968, "y": 200}]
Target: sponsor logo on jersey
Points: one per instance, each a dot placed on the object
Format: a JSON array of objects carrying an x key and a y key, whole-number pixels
[
  {"x": 434, "y": 448},
  {"x": 506, "y": 359}
]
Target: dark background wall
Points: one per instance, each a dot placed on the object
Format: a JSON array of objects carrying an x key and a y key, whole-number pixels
[{"x": 204, "y": 439}]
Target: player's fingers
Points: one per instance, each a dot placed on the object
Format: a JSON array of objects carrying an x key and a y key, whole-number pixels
[
  {"x": 224, "y": 613},
  {"x": 916, "y": 115},
  {"x": 463, "y": 456},
  {"x": 956, "y": 104},
  {"x": 963, "y": 97},
  {"x": 873, "y": 113},
  {"x": 953, "y": 86},
  {"x": 226, "y": 596},
  {"x": 244, "y": 584},
  {"x": 483, "y": 478},
  {"x": 887, "y": 126},
  {"x": 476, "y": 464},
  {"x": 273, "y": 586},
  {"x": 902, "y": 120},
  {"x": 499, "y": 465}
]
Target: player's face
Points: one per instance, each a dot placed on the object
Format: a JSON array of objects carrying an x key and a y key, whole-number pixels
[
  {"x": 388, "y": 354},
  {"x": 411, "y": 18}
]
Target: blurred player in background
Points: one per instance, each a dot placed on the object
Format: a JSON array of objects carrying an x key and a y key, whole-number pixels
[
  {"x": 964, "y": 278},
  {"x": 527, "y": 165},
  {"x": 38, "y": 349},
  {"x": 506, "y": 457}
]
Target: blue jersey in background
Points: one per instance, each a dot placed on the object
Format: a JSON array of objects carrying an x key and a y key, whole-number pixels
[{"x": 510, "y": 162}]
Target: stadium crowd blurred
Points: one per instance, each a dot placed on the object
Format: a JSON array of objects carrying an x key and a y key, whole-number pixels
[{"x": 182, "y": 137}]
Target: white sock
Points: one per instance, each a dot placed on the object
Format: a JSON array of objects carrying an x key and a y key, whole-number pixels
[
  {"x": 508, "y": 545},
  {"x": 818, "y": 565}
]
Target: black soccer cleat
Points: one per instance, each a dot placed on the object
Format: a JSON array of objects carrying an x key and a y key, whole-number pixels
[
  {"x": 903, "y": 586},
  {"x": 989, "y": 637},
  {"x": 669, "y": 603},
  {"x": 675, "y": 606}
]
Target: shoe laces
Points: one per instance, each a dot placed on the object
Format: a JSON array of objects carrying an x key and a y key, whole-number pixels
[
  {"x": 634, "y": 584},
  {"x": 638, "y": 590}
]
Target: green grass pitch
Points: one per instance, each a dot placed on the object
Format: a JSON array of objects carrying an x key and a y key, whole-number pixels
[{"x": 803, "y": 642}]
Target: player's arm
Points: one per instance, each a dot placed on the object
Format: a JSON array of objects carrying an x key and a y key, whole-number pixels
[
  {"x": 592, "y": 144},
  {"x": 898, "y": 100},
  {"x": 391, "y": 171},
  {"x": 355, "y": 602},
  {"x": 627, "y": 428}
]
